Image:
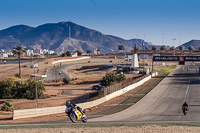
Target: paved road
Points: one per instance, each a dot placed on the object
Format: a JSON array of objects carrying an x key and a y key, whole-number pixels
[
  {"x": 164, "y": 102},
  {"x": 60, "y": 71}
]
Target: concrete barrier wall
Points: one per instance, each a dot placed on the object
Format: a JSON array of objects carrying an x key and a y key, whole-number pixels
[
  {"x": 26, "y": 113},
  {"x": 81, "y": 58}
]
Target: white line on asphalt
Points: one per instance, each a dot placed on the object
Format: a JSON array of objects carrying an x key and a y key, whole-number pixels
[{"x": 187, "y": 90}]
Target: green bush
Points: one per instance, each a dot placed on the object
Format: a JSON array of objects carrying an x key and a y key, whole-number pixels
[
  {"x": 68, "y": 53},
  {"x": 31, "y": 89},
  {"x": 7, "y": 106},
  {"x": 66, "y": 80},
  {"x": 20, "y": 89},
  {"x": 7, "y": 88},
  {"x": 111, "y": 78}
]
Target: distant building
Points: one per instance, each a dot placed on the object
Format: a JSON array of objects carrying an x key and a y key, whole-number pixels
[
  {"x": 2, "y": 50},
  {"x": 37, "y": 51},
  {"x": 29, "y": 52},
  {"x": 51, "y": 52},
  {"x": 45, "y": 51},
  {"x": 97, "y": 51},
  {"x": 3, "y": 55},
  {"x": 75, "y": 54}
]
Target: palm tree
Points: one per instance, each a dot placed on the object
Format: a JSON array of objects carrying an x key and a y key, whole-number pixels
[
  {"x": 68, "y": 53},
  {"x": 147, "y": 48},
  {"x": 19, "y": 51},
  {"x": 88, "y": 51},
  {"x": 163, "y": 47},
  {"x": 136, "y": 49},
  {"x": 181, "y": 48},
  {"x": 154, "y": 48},
  {"x": 121, "y": 48},
  {"x": 173, "y": 49},
  {"x": 190, "y": 48}
]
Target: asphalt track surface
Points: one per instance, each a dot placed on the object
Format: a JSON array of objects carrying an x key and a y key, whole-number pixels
[
  {"x": 60, "y": 71},
  {"x": 161, "y": 104},
  {"x": 164, "y": 102}
]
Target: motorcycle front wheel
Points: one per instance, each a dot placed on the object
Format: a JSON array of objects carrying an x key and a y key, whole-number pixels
[
  {"x": 84, "y": 119},
  {"x": 72, "y": 117}
]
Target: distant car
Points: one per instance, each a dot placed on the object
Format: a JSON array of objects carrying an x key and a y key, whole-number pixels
[{"x": 97, "y": 87}]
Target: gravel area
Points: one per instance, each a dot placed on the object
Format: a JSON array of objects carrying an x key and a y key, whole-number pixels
[{"x": 122, "y": 129}]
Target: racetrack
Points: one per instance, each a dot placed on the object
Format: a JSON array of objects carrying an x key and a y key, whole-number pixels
[
  {"x": 164, "y": 102},
  {"x": 160, "y": 105}
]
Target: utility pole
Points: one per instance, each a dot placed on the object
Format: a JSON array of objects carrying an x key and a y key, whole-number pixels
[
  {"x": 69, "y": 32},
  {"x": 162, "y": 38},
  {"x": 143, "y": 56},
  {"x": 36, "y": 91}
]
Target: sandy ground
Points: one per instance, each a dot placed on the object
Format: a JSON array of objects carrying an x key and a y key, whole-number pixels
[{"x": 120, "y": 129}]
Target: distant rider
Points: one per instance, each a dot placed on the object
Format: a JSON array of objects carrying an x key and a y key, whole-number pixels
[
  {"x": 69, "y": 104},
  {"x": 185, "y": 106}
]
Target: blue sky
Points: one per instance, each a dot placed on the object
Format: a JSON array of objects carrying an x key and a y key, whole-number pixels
[{"x": 156, "y": 21}]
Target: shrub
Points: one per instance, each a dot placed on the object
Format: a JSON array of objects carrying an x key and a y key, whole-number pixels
[
  {"x": 7, "y": 106},
  {"x": 7, "y": 88},
  {"x": 111, "y": 78},
  {"x": 66, "y": 80},
  {"x": 68, "y": 53},
  {"x": 31, "y": 89},
  {"x": 21, "y": 89}
]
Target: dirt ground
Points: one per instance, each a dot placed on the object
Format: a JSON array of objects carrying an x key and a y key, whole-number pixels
[
  {"x": 119, "y": 129},
  {"x": 58, "y": 93}
]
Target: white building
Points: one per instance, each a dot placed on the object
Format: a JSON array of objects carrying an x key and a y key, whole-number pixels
[
  {"x": 29, "y": 52},
  {"x": 3, "y": 55},
  {"x": 75, "y": 54},
  {"x": 37, "y": 51},
  {"x": 51, "y": 52}
]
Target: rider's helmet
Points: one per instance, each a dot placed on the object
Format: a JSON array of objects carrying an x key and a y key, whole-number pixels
[{"x": 67, "y": 103}]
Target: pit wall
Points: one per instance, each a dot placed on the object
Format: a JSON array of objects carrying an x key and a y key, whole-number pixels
[{"x": 26, "y": 113}]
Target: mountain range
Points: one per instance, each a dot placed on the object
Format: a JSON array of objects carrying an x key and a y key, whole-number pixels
[
  {"x": 62, "y": 37},
  {"x": 194, "y": 43}
]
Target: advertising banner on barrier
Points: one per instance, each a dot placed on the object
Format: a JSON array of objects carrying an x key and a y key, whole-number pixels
[
  {"x": 192, "y": 58},
  {"x": 176, "y": 58},
  {"x": 165, "y": 58}
]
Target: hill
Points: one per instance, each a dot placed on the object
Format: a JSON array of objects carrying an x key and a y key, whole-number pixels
[
  {"x": 194, "y": 43},
  {"x": 64, "y": 36}
]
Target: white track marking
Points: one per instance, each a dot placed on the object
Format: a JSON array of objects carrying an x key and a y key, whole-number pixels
[{"x": 187, "y": 90}]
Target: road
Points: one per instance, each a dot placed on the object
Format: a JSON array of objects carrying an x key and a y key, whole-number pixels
[
  {"x": 161, "y": 104},
  {"x": 60, "y": 71},
  {"x": 164, "y": 102}
]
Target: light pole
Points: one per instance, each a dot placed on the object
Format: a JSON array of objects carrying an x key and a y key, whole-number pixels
[
  {"x": 36, "y": 91},
  {"x": 143, "y": 57},
  {"x": 173, "y": 39}
]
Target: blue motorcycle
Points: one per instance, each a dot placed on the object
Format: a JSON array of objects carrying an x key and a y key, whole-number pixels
[{"x": 76, "y": 115}]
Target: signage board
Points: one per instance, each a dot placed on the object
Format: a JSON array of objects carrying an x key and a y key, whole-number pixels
[
  {"x": 192, "y": 58},
  {"x": 165, "y": 58}
]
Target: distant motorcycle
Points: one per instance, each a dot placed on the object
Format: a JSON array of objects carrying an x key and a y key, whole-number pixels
[
  {"x": 74, "y": 114},
  {"x": 185, "y": 110}
]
